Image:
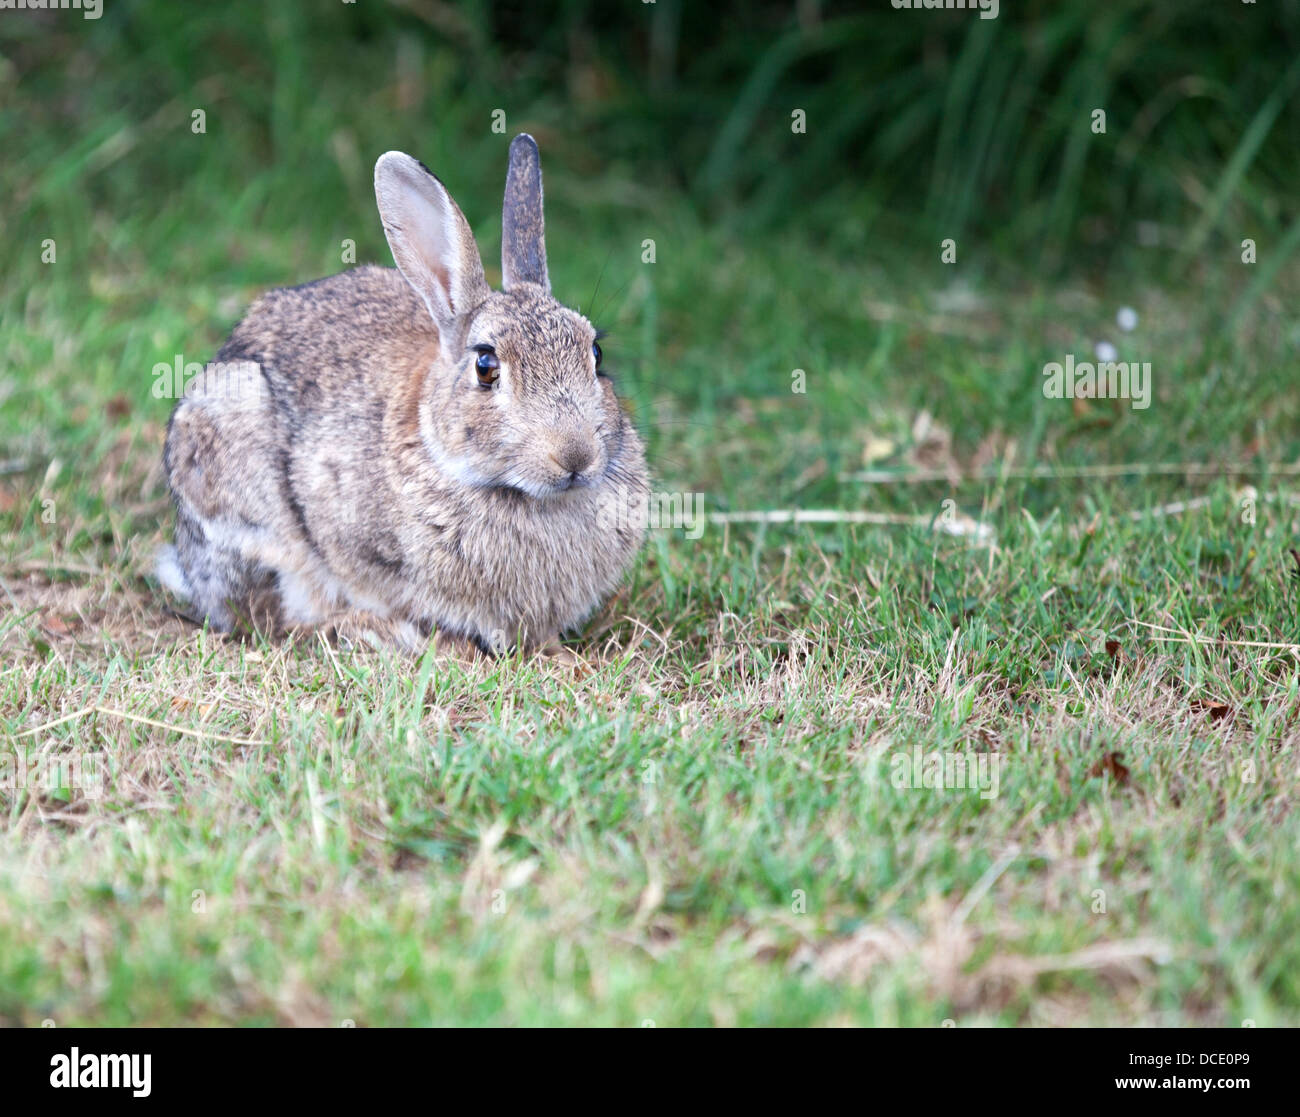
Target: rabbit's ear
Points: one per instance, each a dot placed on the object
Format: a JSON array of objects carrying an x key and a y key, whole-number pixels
[
  {"x": 523, "y": 246},
  {"x": 430, "y": 238}
]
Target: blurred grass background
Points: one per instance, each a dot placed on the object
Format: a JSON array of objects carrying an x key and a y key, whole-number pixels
[
  {"x": 665, "y": 121},
  {"x": 921, "y": 123}
]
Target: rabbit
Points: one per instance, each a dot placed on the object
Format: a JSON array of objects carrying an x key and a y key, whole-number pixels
[{"x": 391, "y": 455}]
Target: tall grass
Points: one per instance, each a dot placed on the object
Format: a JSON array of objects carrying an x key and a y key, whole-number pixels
[{"x": 934, "y": 122}]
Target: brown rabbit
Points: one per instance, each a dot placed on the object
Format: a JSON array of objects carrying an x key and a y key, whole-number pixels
[{"x": 391, "y": 453}]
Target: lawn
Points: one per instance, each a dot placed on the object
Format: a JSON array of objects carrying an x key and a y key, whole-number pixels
[{"x": 724, "y": 817}]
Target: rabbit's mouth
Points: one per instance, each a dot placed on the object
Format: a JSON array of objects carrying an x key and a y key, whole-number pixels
[
  {"x": 573, "y": 481},
  {"x": 554, "y": 490},
  {"x": 559, "y": 477},
  {"x": 551, "y": 489}
]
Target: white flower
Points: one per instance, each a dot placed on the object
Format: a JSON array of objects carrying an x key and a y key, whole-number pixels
[
  {"x": 1127, "y": 318},
  {"x": 1105, "y": 351}
]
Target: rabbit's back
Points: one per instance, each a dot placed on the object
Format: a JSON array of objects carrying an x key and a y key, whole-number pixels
[
  {"x": 325, "y": 347},
  {"x": 271, "y": 455}
]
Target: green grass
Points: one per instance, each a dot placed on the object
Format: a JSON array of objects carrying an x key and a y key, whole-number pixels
[{"x": 702, "y": 829}]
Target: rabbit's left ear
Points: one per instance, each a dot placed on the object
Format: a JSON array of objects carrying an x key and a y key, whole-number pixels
[
  {"x": 430, "y": 238},
  {"x": 523, "y": 245}
]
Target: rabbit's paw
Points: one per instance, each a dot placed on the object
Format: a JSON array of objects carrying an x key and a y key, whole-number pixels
[
  {"x": 359, "y": 629},
  {"x": 448, "y": 646},
  {"x": 557, "y": 653}
]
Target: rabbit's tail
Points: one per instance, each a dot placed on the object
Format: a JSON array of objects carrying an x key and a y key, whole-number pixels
[{"x": 167, "y": 565}]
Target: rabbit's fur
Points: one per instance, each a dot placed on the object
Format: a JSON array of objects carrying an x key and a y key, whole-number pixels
[{"x": 354, "y": 467}]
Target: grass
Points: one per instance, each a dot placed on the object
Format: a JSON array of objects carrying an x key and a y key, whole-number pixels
[{"x": 703, "y": 828}]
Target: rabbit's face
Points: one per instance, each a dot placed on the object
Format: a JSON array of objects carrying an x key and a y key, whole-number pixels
[
  {"x": 523, "y": 404},
  {"x": 516, "y": 400}
]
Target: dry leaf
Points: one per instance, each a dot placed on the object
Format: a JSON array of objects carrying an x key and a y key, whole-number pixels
[
  {"x": 1111, "y": 766},
  {"x": 876, "y": 450},
  {"x": 1215, "y": 711},
  {"x": 55, "y": 625}
]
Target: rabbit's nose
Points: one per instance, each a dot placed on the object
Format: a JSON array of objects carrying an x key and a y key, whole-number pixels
[{"x": 573, "y": 457}]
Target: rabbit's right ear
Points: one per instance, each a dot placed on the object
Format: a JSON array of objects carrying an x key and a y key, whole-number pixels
[
  {"x": 430, "y": 238},
  {"x": 523, "y": 238}
]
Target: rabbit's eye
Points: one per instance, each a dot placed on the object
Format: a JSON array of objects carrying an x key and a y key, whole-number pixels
[
  {"x": 486, "y": 366},
  {"x": 595, "y": 352}
]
